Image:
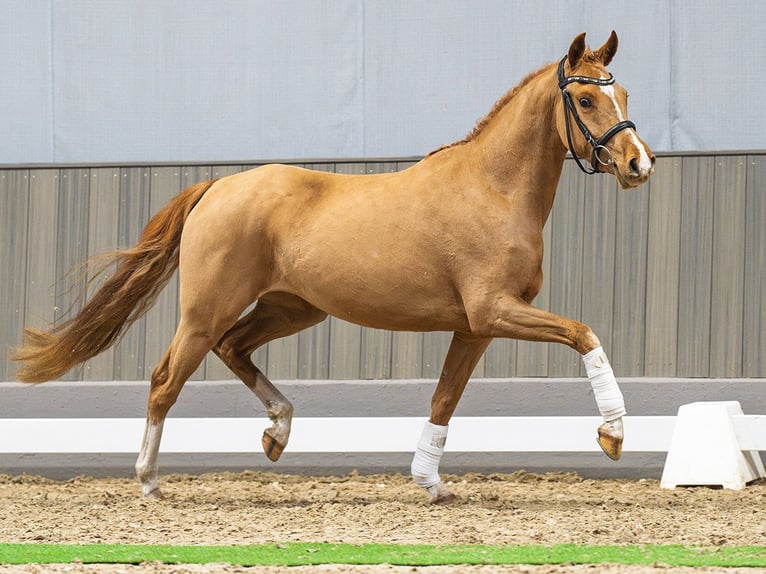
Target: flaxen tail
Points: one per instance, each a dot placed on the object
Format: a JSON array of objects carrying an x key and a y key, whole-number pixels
[{"x": 141, "y": 273}]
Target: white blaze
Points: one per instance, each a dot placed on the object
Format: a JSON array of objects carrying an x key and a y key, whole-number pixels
[{"x": 644, "y": 163}]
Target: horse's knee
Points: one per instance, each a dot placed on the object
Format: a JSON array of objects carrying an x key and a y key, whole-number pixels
[{"x": 584, "y": 340}]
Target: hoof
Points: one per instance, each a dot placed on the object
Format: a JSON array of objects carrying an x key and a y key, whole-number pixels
[
  {"x": 271, "y": 446},
  {"x": 155, "y": 494},
  {"x": 444, "y": 499},
  {"x": 610, "y": 441},
  {"x": 441, "y": 496}
]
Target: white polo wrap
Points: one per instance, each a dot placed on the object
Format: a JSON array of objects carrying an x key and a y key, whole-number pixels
[
  {"x": 425, "y": 464},
  {"x": 608, "y": 395}
]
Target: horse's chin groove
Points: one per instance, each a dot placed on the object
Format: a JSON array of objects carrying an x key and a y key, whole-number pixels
[{"x": 625, "y": 185}]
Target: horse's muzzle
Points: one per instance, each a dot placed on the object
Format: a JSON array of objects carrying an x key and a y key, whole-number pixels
[{"x": 636, "y": 170}]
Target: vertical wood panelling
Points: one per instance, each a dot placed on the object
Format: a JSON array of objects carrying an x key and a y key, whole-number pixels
[
  {"x": 599, "y": 225},
  {"x": 754, "y": 327},
  {"x": 345, "y": 349},
  {"x": 628, "y": 336},
  {"x": 41, "y": 248},
  {"x": 104, "y": 211},
  {"x": 14, "y": 211},
  {"x": 435, "y": 347},
  {"x": 670, "y": 276},
  {"x": 375, "y": 354},
  {"x": 728, "y": 267},
  {"x": 283, "y": 358},
  {"x": 314, "y": 352},
  {"x": 695, "y": 266},
  {"x": 407, "y": 355},
  {"x": 135, "y": 188},
  {"x": 71, "y": 246},
  {"x": 566, "y": 280},
  {"x": 662, "y": 283},
  {"x": 500, "y": 358}
]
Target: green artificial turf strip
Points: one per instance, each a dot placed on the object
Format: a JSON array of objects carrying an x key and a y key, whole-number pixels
[{"x": 302, "y": 553}]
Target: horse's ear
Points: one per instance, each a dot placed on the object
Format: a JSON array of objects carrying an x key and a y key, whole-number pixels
[
  {"x": 576, "y": 50},
  {"x": 606, "y": 52}
]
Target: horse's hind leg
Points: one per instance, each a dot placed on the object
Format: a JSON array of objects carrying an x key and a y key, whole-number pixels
[
  {"x": 463, "y": 355},
  {"x": 205, "y": 316},
  {"x": 275, "y": 315},
  {"x": 189, "y": 347}
]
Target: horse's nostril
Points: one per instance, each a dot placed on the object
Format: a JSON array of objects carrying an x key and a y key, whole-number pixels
[{"x": 633, "y": 165}]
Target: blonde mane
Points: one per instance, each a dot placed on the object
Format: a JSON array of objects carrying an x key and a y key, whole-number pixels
[{"x": 499, "y": 105}]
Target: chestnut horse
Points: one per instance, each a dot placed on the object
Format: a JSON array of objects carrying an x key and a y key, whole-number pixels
[{"x": 453, "y": 243}]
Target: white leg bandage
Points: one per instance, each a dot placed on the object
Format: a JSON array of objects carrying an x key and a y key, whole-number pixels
[
  {"x": 425, "y": 464},
  {"x": 608, "y": 395}
]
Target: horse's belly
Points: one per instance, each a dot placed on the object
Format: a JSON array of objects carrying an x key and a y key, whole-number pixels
[
  {"x": 403, "y": 316},
  {"x": 381, "y": 298}
]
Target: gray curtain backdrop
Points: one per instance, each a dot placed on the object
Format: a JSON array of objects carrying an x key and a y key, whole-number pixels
[{"x": 90, "y": 81}]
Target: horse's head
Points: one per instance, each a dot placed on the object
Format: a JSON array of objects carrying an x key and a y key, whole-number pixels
[{"x": 593, "y": 119}]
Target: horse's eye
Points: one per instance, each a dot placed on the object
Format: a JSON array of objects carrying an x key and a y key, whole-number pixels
[{"x": 585, "y": 103}]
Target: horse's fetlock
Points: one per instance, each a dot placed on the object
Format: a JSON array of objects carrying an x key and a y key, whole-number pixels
[
  {"x": 145, "y": 473},
  {"x": 583, "y": 338},
  {"x": 280, "y": 411}
]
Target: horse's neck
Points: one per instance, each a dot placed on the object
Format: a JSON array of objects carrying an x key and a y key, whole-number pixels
[{"x": 520, "y": 150}]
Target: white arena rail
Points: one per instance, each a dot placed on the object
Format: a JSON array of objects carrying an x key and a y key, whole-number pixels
[
  {"x": 707, "y": 443},
  {"x": 351, "y": 434},
  {"x": 330, "y": 435}
]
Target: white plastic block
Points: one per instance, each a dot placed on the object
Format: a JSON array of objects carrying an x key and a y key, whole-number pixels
[{"x": 706, "y": 450}]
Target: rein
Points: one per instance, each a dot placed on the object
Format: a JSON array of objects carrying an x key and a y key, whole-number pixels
[{"x": 598, "y": 145}]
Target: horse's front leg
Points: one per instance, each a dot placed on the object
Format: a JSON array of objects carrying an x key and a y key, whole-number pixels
[
  {"x": 464, "y": 352},
  {"x": 515, "y": 318},
  {"x": 609, "y": 401}
]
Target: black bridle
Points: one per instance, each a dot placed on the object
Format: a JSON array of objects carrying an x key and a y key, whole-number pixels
[{"x": 598, "y": 145}]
